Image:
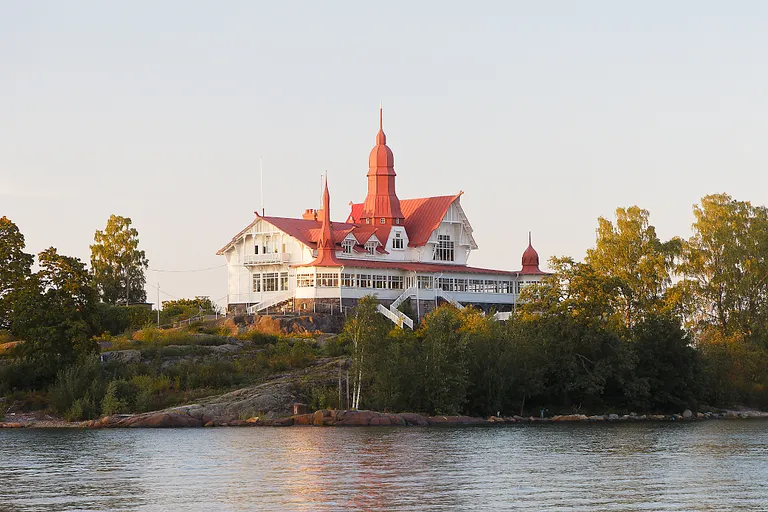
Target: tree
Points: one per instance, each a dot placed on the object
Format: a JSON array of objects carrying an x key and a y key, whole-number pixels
[
  {"x": 56, "y": 314},
  {"x": 667, "y": 364},
  {"x": 632, "y": 255},
  {"x": 366, "y": 329},
  {"x": 15, "y": 267},
  {"x": 117, "y": 263},
  {"x": 725, "y": 265},
  {"x": 444, "y": 372}
]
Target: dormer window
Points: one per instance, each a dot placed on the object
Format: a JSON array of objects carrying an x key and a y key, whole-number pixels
[
  {"x": 346, "y": 246},
  {"x": 383, "y": 220},
  {"x": 397, "y": 221},
  {"x": 397, "y": 242},
  {"x": 367, "y": 221},
  {"x": 371, "y": 247}
]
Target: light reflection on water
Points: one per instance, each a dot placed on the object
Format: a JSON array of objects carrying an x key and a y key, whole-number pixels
[{"x": 716, "y": 465}]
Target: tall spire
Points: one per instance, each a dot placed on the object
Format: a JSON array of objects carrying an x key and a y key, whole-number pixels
[
  {"x": 326, "y": 246},
  {"x": 381, "y": 201},
  {"x": 530, "y": 259}
]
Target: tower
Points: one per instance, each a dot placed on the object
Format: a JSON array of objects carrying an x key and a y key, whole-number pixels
[{"x": 381, "y": 205}]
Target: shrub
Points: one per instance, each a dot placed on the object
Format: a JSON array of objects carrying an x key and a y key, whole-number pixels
[
  {"x": 82, "y": 381},
  {"x": 120, "y": 397}
]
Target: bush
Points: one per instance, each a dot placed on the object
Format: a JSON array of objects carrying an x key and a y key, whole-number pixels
[
  {"x": 80, "y": 385},
  {"x": 120, "y": 397}
]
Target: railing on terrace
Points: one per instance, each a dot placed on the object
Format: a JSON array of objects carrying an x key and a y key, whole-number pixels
[{"x": 262, "y": 259}]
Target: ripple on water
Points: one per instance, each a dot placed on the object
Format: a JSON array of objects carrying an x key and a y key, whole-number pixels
[{"x": 717, "y": 465}]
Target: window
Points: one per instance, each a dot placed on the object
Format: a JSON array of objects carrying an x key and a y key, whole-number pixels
[
  {"x": 367, "y": 221},
  {"x": 445, "y": 283},
  {"x": 396, "y": 282},
  {"x": 397, "y": 242},
  {"x": 283, "y": 281},
  {"x": 371, "y": 247},
  {"x": 364, "y": 281},
  {"x": 346, "y": 246},
  {"x": 382, "y": 220},
  {"x": 255, "y": 249},
  {"x": 305, "y": 280},
  {"x": 425, "y": 282},
  {"x": 270, "y": 281},
  {"x": 348, "y": 280},
  {"x": 380, "y": 282},
  {"x": 397, "y": 221},
  {"x": 327, "y": 280},
  {"x": 257, "y": 282},
  {"x": 460, "y": 285},
  {"x": 444, "y": 248},
  {"x": 475, "y": 286}
]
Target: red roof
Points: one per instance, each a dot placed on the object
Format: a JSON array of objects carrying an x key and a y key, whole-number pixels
[
  {"x": 422, "y": 217},
  {"x": 421, "y": 267},
  {"x": 303, "y": 230}
]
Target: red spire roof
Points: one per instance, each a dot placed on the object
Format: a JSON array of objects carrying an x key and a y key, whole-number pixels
[
  {"x": 382, "y": 201},
  {"x": 326, "y": 245},
  {"x": 530, "y": 259}
]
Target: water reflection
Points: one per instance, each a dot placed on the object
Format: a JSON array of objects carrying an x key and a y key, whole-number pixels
[{"x": 719, "y": 465}]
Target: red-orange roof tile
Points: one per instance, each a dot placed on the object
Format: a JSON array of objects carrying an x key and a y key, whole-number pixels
[{"x": 422, "y": 217}]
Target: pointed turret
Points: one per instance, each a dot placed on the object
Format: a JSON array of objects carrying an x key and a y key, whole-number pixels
[
  {"x": 381, "y": 201},
  {"x": 530, "y": 259},
  {"x": 326, "y": 247}
]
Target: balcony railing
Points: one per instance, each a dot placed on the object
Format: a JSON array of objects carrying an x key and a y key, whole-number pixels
[{"x": 266, "y": 259}]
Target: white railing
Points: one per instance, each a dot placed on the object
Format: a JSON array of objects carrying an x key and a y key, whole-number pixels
[
  {"x": 405, "y": 295},
  {"x": 277, "y": 299},
  {"x": 441, "y": 293},
  {"x": 398, "y": 317},
  {"x": 262, "y": 259}
]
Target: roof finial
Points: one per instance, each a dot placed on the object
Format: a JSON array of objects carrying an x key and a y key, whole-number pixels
[
  {"x": 529, "y": 238},
  {"x": 381, "y": 139}
]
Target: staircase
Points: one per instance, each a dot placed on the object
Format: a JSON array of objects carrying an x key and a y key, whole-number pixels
[
  {"x": 405, "y": 295},
  {"x": 277, "y": 299},
  {"x": 449, "y": 298},
  {"x": 502, "y": 316},
  {"x": 397, "y": 316}
]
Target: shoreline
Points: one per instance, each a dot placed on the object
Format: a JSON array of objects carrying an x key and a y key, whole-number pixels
[{"x": 184, "y": 417}]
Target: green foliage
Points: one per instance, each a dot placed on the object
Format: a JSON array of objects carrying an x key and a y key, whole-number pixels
[
  {"x": 79, "y": 389},
  {"x": 15, "y": 267},
  {"x": 117, "y": 263},
  {"x": 639, "y": 264},
  {"x": 182, "y": 309},
  {"x": 120, "y": 397},
  {"x": 55, "y": 312},
  {"x": 117, "y": 320}
]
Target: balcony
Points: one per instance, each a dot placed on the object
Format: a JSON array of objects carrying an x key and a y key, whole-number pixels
[{"x": 267, "y": 259}]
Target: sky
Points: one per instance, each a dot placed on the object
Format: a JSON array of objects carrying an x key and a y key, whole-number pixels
[{"x": 546, "y": 114}]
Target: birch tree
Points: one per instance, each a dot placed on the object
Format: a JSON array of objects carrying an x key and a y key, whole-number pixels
[{"x": 117, "y": 263}]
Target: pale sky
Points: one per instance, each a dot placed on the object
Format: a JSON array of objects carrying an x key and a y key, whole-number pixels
[{"x": 546, "y": 114}]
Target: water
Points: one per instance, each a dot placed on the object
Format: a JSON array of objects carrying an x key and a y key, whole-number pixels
[{"x": 715, "y": 465}]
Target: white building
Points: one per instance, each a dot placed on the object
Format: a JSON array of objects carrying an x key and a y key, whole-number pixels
[{"x": 413, "y": 250}]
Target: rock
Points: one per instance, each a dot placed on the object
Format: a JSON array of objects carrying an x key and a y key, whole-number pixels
[
  {"x": 161, "y": 420},
  {"x": 380, "y": 421},
  {"x": 687, "y": 414},
  {"x": 356, "y": 418},
  {"x": 570, "y": 417},
  {"x": 414, "y": 419},
  {"x": 613, "y": 417},
  {"x": 700, "y": 416},
  {"x": 210, "y": 424},
  {"x": 123, "y": 356},
  {"x": 303, "y": 419},
  {"x": 10, "y": 424},
  {"x": 597, "y": 418}
]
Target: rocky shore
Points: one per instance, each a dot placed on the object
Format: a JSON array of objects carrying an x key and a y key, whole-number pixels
[{"x": 192, "y": 416}]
